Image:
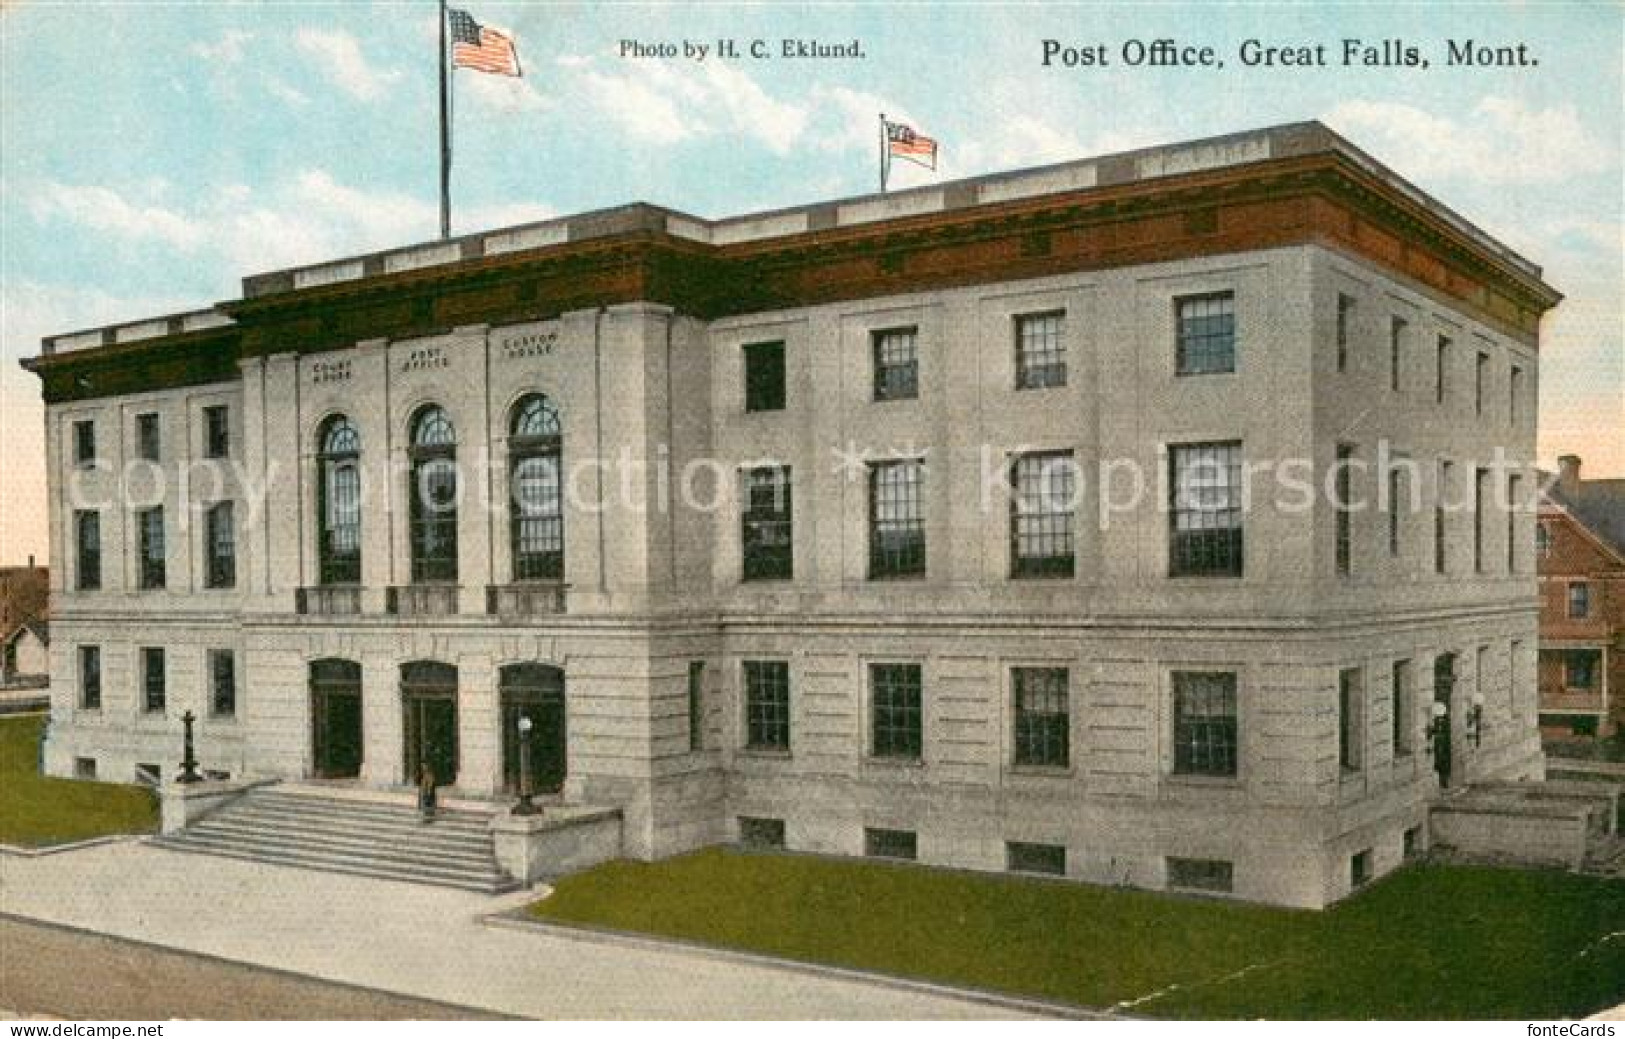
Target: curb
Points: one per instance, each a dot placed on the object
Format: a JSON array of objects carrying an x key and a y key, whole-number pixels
[
  {"x": 24, "y": 851},
  {"x": 519, "y": 920}
]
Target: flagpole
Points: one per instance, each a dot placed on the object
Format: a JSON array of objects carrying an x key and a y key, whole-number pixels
[
  {"x": 883, "y": 153},
  {"x": 445, "y": 133}
]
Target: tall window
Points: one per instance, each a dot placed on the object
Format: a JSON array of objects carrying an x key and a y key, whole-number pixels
[
  {"x": 1206, "y": 334},
  {"x": 1481, "y": 500},
  {"x": 1043, "y": 493},
  {"x": 1204, "y": 723},
  {"x": 1350, "y": 718},
  {"x": 1579, "y": 600},
  {"x": 222, "y": 683},
  {"x": 87, "y": 542},
  {"x": 1345, "y": 318},
  {"x": 1441, "y": 370},
  {"x": 1514, "y": 503},
  {"x": 1396, "y": 351},
  {"x": 767, "y": 537},
  {"x": 1543, "y": 540},
  {"x": 1580, "y": 668},
  {"x": 894, "y": 692},
  {"x": 150, "y": 524},
  {"x": 1481, "y": 377},
  {"x": 535, "y": 468},
  {"x": 767, "y": 705},
  {"x": 1440, "y": 546},
  {"x": 216, "y": 431},
  {"x": 433, "y": 495},
  {"x": 1043, "y": 719},
  {"x": 1514, "y": 394},
  {"x": 1040, "y": 351},
  {"x": 696, "y": 705},
  {"x": 90, "y": 678},
  {"x": 764, "y": 377},
  {"x": 1206, "y": 516},
  {"x": 897, "y": 364},
  {"x": 1345, "y": 509},
  {"x": 1395, "y": 486},
  {"x": 339, "y": 509},
  {"x": 220, "y": 569},
  {"x": 84, "y": 442},
  {"x": 896, "y": 519},
  {"x": 153, "y": 691},
  {"x": 148, "y": 439},
  {"x": 1401, "y": 707}
]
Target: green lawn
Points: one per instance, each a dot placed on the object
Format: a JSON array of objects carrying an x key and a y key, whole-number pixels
[
  {"x": 35, "y": 810},
  {"x": 1429, "y": 942}
]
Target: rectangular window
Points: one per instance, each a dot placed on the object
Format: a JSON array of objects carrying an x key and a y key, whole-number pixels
[
  {"x": 896, "y": 724},
  {"x": 1411, "y": 843},
  {"x": 1440, "y": 543},
  {"x": 1350, "y": 718},
  {"x": 896, "y": 519},
  {"x": 1396, "y": 351},
  {"x": 1579, "y": 600},
  {"x": 1514, "y": 394},
  {"x": 152, "y": 680},
  {"x": 1049, "y": 859},
  {"x": 1206, "y": 516},
  {"x": 216, "y": 431},
  {"x": 1400, "y": 708},
  {"x": 1514, "y": 502},
  {"x": 222, "y": 683},
  {"x": 1481, "y": 378},
  {"x": 84, "y": 442},
  {"x": 767, "y": 705},
  {"x": 84, "y": 768},
  {"x": 150, "y": 524},
  {"x": 87, "y": 539},
  {"x": 90, "y": 678},
  {"x": 1204, "y": 723},
  {"x": 1481, "y": 501},
  {"x": 889, "y": 844},
  {"x": 1344, "y": 532},
  {"x": 1043, "y": 717},
  {"x": 148, "y": 774},
  {"x": 1580, "y": 669},
  {"x": 1042, "y": 496},
  {"x": 1040, "y": 351},
  {"x": 766, "y": 534},
  {"x": 1201, "y": 874},
  {"x": 1360, "y": 868},
  {"x": 148, "y": 440},
  {"x": 220, "y": 564},
  {"x": 1345, "y": 318},
  {"x": 1206, "y": 334},
  {"x": 897, "y": 364},
  {"x": 696, "y": 705},
  {"x": 764, "y": 377},
  {"x": 1441, "y": 371},
  {"x": 1395, "y": 487},
  {"x": 761, "y": 833}
]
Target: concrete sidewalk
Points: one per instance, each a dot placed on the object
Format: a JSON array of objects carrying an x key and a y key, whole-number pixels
[{"x": 425, "y": 942}]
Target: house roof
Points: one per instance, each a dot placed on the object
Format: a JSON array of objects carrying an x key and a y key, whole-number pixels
[
  {"x": 1599, "y": 505},
  {"x": 40, "y": 628}
]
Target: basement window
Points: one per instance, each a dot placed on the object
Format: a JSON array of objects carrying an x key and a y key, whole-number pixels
[
  {"x": 1201, "y": 875},
  {"x": 761, "y": 833},
  {"x": 890, "y": 844},
  {"x": 1021, "y": 857},
  {"x": 1360, "y": 868},
  {"x": 84, "y": 768}
]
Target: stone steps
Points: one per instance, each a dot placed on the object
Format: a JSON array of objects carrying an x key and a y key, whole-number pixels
[{"x": 353, "y": 836}]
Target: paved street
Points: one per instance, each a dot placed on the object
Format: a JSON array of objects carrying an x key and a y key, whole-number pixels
[{"x": 421, "y": 941}]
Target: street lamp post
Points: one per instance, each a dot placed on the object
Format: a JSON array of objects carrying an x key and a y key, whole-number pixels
[
  {"x": 525, "y": 805},
  {"x": 189, "y": 773}
]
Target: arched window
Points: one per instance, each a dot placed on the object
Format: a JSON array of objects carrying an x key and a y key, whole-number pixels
[
  {"x": 536, "y": 506},
  {"x": 433, "y": 495},
  {"x": 338, "y": 506}
]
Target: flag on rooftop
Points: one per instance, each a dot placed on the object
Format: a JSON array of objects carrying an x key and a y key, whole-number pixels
[
  {"x": 480, "y": 47},
  {"x": 905, "y": 142}
]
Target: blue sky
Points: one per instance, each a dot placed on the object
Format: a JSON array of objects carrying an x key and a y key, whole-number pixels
[{"x": 153, "y": 154}]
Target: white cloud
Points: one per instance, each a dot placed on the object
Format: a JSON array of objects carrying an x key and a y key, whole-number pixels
[
  {"x": 340, "y": 56},
  {"x": 1505, "y": 141},
  {"x": 664, "y": 103},
  {"x": 502, "y": 93},
  {"x": 228, "y": 50},
  {"x": 106, "y": 211},
  {"x": 287, "y": 92}
]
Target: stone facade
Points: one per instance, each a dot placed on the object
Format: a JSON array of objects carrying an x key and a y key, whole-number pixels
[{"x": 652, "y": 626}]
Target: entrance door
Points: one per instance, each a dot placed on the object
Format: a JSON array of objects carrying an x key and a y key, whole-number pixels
[
  {"x": 335, "y": 718},
  {"x": 534, "y": 691},
  {"x": 1444, "y": 688},
  {"x": 429, "y": 703}
]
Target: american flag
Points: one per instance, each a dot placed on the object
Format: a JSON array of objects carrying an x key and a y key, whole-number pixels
[
  {"x": 904, "y": 143},
  {"x": 480, "y": 47}
]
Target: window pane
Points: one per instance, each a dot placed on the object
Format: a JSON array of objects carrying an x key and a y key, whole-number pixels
[
  {"x": 764, "y": 377},
  {"x": 1207, "y": 334},
  {"x": 896, "y": 519},
  {"x": 895, "y": 695},
  {"x": 1206, "y": 510},
  {"x": 222, "y": 547},
  {"x": 152, "y": 680},
  {"x": 88, "y": 534},
  {"x": 151, "y": 525},
  {"x": 1204, "y": 723},
  {"x": 896, "y": 364},
  {"x": 766, "y": 530},
  {"x": 1044, "y": 488},
  {"x": 767, "y": 705},
  {"x": 1040, "y": 351},
  {"x": 90, "y": 678},
  {"x": 223, "y": 674},
  {"x": 1042, "y": 729}
]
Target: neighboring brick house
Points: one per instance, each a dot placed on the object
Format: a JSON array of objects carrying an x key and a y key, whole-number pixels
[{"x": 1580, "y": 544}]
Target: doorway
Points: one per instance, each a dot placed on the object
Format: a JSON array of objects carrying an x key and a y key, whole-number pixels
[
  {"x": 1443, "y": 731},
  {"x": 335, "y": 718},
  {"x": 429, "y": 729},
  {"x": 534, "y": 691}
]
